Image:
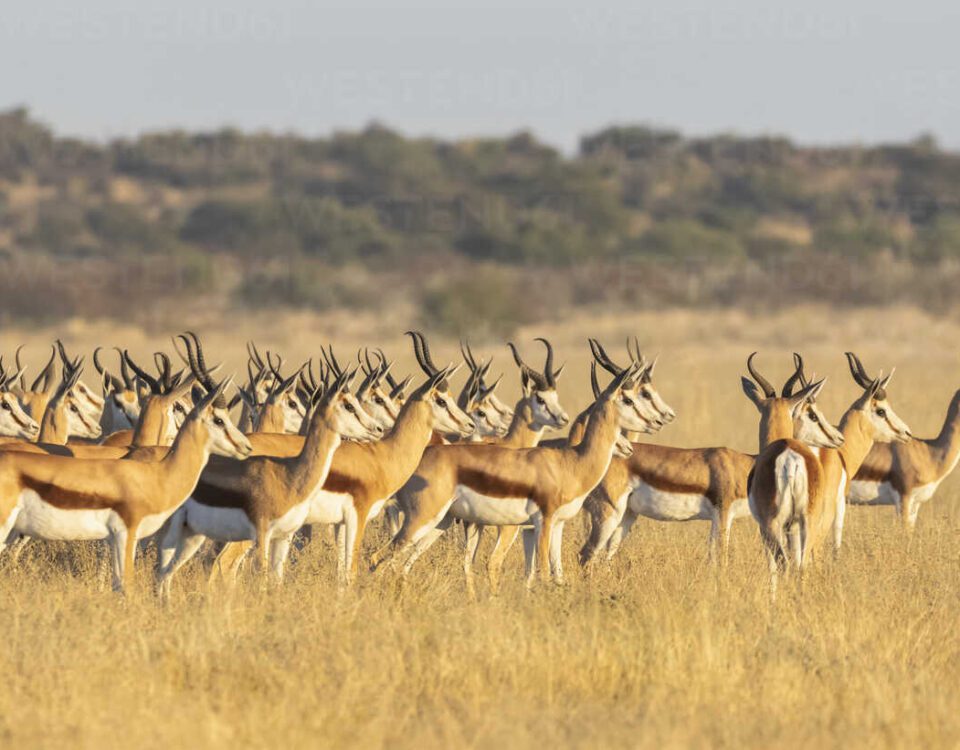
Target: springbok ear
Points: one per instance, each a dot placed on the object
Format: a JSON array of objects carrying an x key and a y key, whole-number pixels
[
  {"x": 808, "y": 393},
  {"x": 752, "y": 391},
  {"x": 886, "y": 381},
  {"x": 526, "y": 384}
]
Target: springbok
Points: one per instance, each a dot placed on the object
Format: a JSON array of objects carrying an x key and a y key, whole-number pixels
[
  {"x": 15, "y": 423},
  {"x": 497, "y": 486},
  {"x": 280, "y": 409},
  {"x": 121, "y": 409},
  {"x": 906, "y": 475},
  {"x": 537, "y": 410},
  {"x": 265, "y": 499},
  {"x": 122, "y": 501},
  {"x": 364, "y": 475},
  {"x": 797, "y": 496},
  {"x": 686, "y": 484},
  {"x": 35, "y": 398}
]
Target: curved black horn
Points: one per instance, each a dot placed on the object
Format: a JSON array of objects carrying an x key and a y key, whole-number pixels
[
  {"x": 603, "y": 359},
  {"x": 764, "y": 384},
  {"x": 144, "y": 376},
  {"x": 797, "y": 377}
]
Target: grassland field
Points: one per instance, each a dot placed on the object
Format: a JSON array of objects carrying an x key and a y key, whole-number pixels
[{"x": 656, "y": 649}]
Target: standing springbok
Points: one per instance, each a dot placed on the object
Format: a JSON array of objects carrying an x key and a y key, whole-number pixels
[
  {"x": 906, "y": 475},
  {"x": 537, "y": 410},
  {"x": 797, "y": 496},
  {"x": 498, "y": 486},
  {"x": 265, "y": 499},
  {"x": 364, "y": 475},
  {"x": 686, "y": 484},
  {"x": 121, "y": 409},
  {"x": 71, "y": 499}
]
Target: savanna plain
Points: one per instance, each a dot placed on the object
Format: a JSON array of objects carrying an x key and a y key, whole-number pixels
[{"x": 657, "y": 648}]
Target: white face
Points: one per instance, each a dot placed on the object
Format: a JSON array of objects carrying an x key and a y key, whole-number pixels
[
  {"x": 887, "y": 425},
  {"x": 225, "y": 438},
  {"x": 487, "y": 420},
  {"x": 79, "y": 423},
  {"x": 126, "y": 405},
  {"x": 547, "y": 412},
  {"x": 349, "y": 418},
  {"x": 292, "y": 411},
  {"x": 177, "y": 413},
  {"x": 810, "y": 426},
  {"x": 652, "y": 405},
  {"x": 447, "y": 416},
  {"x": 89, "y": 401},
  {"x": 501, "y": 411},
  {"x": 629, "y": 411},
  {"x": 14, "y": 421},
  {"x": 378, "y": 404}
]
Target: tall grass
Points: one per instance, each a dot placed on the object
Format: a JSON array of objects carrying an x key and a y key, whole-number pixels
[{"x": 657, "y": 648}]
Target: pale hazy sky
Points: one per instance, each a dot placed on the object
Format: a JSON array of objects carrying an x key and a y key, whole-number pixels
[{"x": 817, "y": 71}]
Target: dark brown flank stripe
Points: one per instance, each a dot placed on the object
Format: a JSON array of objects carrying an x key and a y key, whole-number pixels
[
  {"x": 343, "y": 484},
  {"x": 66, "y": 499},
  {"x": 214, "y": 496},
  {"x": 492, "y": 485},
  {"x": 868, "y": 473},
  {"x": 667, "y": 484}
]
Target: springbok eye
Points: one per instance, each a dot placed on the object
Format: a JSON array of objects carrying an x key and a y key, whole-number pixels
[
  {"x": 881, "y": 413},
  {"x": 814, "y": 418},
  {"x": 349, "y": 408},
  {"x": 378, "y": 400},
  {"x": 441, "y": 403},
  {"x": 482, "y": 414},
  {"x": 291, "y": 404},
  {"x": 6, "y": 406},
  {"x": 74, "y": 409},
  {"x": 218, "y": 421},
  {"x": 647, "y": 395},
  {"x": 541, "y": 401},
  {"x": 627, "y": 400}
]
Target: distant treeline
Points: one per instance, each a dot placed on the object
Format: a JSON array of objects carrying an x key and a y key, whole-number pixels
[{"x": 309, "y": 221}]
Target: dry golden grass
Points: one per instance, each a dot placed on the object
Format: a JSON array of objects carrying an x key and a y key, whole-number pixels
[{"x": 656, "y": 649}]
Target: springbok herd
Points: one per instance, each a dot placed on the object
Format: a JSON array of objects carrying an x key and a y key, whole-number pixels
[{"x": 159, "y": 456}]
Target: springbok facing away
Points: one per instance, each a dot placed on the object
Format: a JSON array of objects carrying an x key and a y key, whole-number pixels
[
  {"x": 498, "y": 486},
  {"x": 265, "y": 499},
  {"x": 906, "y": 475},
  {"x": 70, "y": 499},
  {"x": 686, "y": 484},
  {"x": 35, "y": 398},
  {"x": 798, "y": 496},
  {"x": 364, "y": 475}
]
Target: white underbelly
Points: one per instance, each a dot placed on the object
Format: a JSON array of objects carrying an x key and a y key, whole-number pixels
[
  {"x": 42, "y": 520},
  {"x": 661, "y": 505},
  {"x": 328, "y": 507},
  {"x": 469, "y": 505},
  {"x": 872, "y": 493},
  {"x": 221, "y": 524}
]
